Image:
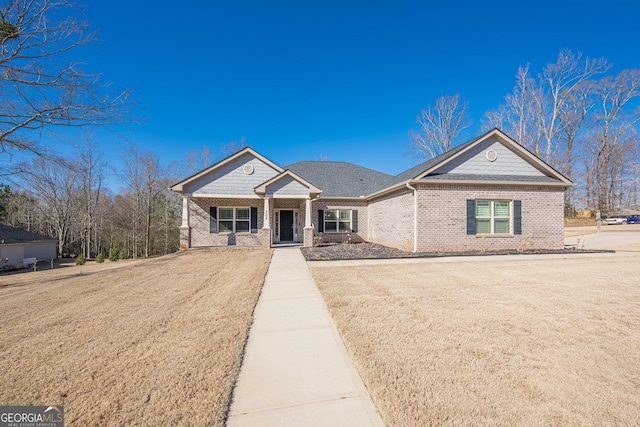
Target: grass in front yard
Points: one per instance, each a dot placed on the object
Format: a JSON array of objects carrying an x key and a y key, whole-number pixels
[
  {"x": 499, "y": 341},
  {"x": 156, "y": 342}
]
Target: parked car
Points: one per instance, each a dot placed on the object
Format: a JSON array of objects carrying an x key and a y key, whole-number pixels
[
  {"x": 615, "y": 220},
  {"x": 633, "y": 219}
]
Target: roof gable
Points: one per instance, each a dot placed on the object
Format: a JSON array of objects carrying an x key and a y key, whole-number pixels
[
  {"x": 489, "y": 157},
  {"x": 288, "y": 184},
  {"x": 237, "y": 175},
  {"x": 472, "y": 158}
]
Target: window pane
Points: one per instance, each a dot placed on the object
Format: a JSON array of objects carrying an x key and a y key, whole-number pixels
[
  {"x": 502, "y": 208},
  {"x": 345, "y": 215},
  {"x": 225, "y": 213},
  {"x": 242, "y": 226},
  {"x": 331, "y": 215},
  {"x": 330, "y": 226},
  {"x": 242, "y": 213},
  {"x": 226, "y": 226},
  {"x": 345, "y": 226},
  {"x": 483, "y": 208},
  {"x": 483, "y": 226},
  {"x": 501, "y": 226}
]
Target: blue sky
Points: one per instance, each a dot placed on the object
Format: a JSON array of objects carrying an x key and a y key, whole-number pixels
[{"x": 332, "y": 79}]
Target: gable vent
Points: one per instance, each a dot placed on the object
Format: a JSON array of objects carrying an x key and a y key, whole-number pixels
[{"x": 491, "y": 155}]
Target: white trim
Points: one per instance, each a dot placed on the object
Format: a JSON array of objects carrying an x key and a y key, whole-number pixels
[
  {"x": 415, "y": 217},
  {"x": 312, "y": 189},
  {"x": 272, "y": 196},
  {"x": 224, "y": 196},
  {"x": 492, "y": 217}
]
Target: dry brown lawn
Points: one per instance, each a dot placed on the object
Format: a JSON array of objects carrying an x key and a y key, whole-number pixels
[
  {"x": 494, "y": 341},
  {"x": 154, "y": 342}
]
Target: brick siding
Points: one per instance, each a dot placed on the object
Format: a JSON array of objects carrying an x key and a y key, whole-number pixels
[
  {"x": 391, "y": 220},
  {"x": 442, "y": 218},
  {"x": 357, "y": 237},
  {"x": 199, "y": 220}
]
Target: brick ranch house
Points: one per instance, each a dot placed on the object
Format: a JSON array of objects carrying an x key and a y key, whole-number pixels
[{"x": 487, "y": 194}]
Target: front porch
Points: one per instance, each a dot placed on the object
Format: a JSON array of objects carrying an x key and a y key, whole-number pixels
[{"x": 256, "y": 221}]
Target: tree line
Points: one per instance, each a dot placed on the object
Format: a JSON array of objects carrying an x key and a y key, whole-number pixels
[
  {"x": 575, "y": 114},
  {"x": 68, "y": 199}
]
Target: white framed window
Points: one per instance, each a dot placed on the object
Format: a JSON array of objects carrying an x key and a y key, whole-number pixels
[
  {"x": 337, "y": 221},
  {"x": 234, "y": 220},
  {"x": 493, "y": 216}
]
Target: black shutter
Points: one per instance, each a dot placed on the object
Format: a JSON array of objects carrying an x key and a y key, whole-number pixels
[
  {"x": 213, "y": 220},
  {"x": 517, "y": 217},
  {"x": 254, "y": 220},
  {"x": 471, "y": 216},
  {"x": 320, "y": 220},
  {"x": 354, "y": 221}
]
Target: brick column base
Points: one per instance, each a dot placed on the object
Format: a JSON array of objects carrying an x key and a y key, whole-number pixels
[
  {"x": 264, "y": 235},
  {"x": 185, "y": 237},
  {"x": 308, "y": 237}
]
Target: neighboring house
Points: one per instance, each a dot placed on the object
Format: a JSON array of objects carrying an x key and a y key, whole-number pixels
[
  {"x": 17, "y": 245},
  {"x": 487, "y": 194}
]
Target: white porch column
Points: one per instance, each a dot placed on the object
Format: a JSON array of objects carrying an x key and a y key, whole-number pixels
[
  {"x": 266, "y": 221},
  {"x": 307, "y": 213},
  {"x": 185, "y": 212},
  {"x": 185, "y": 230}
]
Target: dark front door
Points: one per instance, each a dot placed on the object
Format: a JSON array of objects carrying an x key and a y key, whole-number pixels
[{"x": 286, "y": 226}]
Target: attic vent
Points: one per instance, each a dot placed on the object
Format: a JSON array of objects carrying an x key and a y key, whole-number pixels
[
  {"x": 491, "y": 155},
  {"x": 248, "y": 169}
]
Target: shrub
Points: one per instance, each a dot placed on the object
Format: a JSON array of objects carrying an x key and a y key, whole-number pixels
[
  {"x": 100, "y": 258},
  {"x": 113, "y": 255},
  {"x": 80, "y": 260},
  {"x": 123, "y": 254}
]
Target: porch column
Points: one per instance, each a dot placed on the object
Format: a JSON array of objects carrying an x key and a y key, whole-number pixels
[
  {"x": 185, "y": 229},
  {"x": 266, "y": 220},
  {"x": 307, "y": 213},
  {"x": 308, "y": 228},
  {"x": 264, "y": 234}
]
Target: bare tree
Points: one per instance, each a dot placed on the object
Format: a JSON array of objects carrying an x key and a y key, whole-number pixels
[
  {"x": 233, "y": 147},
  {"x": 440, "y": 126},
  {"x": 55, "y": 185},
  {"x": 572, "y": 120},
  {"x": 557, "y": 83},
  {"x": 91, "y": 171},
  {"x": 41, "y": 86},
  {"x": 197, "y": 160},
  {"x": 612, "y": 128},
  {"x": 154, "y": 182}
]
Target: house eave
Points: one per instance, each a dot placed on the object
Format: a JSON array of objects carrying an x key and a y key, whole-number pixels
[
  {"x": 492, "y": 183},
  {"x": 402, "y": 185},
  {"x": 222, "y": 196},
  {"x": 359, "y": 198}
]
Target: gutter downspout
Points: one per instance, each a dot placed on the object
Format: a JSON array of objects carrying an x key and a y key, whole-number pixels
[{"x": 415, "y": 216}]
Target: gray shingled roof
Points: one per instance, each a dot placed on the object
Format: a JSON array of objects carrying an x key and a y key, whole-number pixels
[
  {"x": 10, "y": 234},
  {"x": 343, "y": 179},
  {"x": 340, "y": 179}
]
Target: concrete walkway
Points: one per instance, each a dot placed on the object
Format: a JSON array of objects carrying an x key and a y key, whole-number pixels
[{"x": 296, "y": 370}]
